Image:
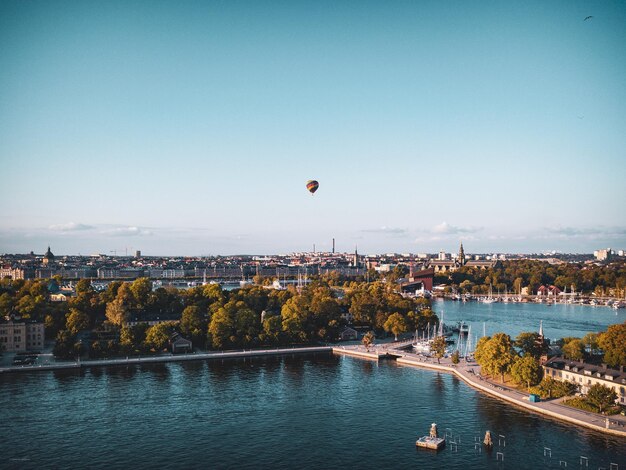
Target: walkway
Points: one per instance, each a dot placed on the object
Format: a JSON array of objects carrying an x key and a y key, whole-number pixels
[
  {"x": 169, "y": 358},
  {"x": 470, "y": 373}
]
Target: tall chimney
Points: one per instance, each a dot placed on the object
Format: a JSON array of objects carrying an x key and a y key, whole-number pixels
[{"x": 333, "y": 246}]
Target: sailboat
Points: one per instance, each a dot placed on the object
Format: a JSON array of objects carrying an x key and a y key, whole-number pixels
[{"x": 490, "y": 299}]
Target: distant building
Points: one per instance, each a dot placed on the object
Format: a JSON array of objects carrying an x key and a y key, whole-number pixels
[
  {"x": 48, "y": 258},
  {"x": 348, "y": 334},
  {"x": 15, "y": 273},
  {"x": 603, "y": 255},
  {"x": 19, "y": 336},
  {"x": 442, "y": 265},
  {"x": 548, "y": 291},
  {"x": 419, "y": 281}
]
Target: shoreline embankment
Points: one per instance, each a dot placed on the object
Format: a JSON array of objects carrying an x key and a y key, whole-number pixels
[
  {"x": 466, "y": 372},
  {"x": 161, "y": 359}
]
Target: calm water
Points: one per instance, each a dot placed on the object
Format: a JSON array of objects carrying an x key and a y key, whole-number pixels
[
  {"x": 559, "y": 320},
  {"x": 318, "y": 411}
]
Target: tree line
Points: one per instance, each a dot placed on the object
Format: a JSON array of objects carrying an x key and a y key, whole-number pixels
[
  {"x": 114, "y": 321},
  {"x": 513, "y": 275}
]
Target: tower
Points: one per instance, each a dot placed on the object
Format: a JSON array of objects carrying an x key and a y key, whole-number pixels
[
  {"x": 461, "y": 255},
  {"x": 355, "y": 259},
  {"x": 48, "y": 257},
  {"x": 541, "y": 345}
]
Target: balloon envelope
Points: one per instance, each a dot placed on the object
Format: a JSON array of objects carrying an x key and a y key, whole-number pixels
[{"x": 312, "y": 186}]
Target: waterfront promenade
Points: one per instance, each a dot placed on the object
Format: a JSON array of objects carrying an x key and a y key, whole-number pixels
[
  {"x": 217, "y": 355},
  {"x": 469, "y": 372}
]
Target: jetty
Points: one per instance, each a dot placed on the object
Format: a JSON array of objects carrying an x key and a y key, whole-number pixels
[{"x": 432, "y": 441}]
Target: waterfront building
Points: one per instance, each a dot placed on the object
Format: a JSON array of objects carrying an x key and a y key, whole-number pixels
[
  {"x": 550, "y": 291},
  {"x": 348, "y": 334},
  {"x": 419, "y": 281},
  {"x": 585, "y": 375},
  {"x": 179, "y": 344},
  {"x": 20, "y": 336}
]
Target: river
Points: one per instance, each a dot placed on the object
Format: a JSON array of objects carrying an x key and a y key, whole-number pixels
[{"x": 317, "y": 411}]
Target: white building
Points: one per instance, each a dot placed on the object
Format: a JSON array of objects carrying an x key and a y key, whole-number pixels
[{"x": 585, "y": 375}]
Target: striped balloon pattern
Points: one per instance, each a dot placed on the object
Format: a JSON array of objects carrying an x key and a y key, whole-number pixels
[{"x": 312, "y": 186}]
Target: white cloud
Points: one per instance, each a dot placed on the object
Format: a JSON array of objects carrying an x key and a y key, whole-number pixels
[
  {"x": 386, "y": 230},
  {"x": 126, "y": 232},
  {"x": 447, "y": 229},
  {"x": 584, "y": 232},
  {"x": 70, "y": 227}
]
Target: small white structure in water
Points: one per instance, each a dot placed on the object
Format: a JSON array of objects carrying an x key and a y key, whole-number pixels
[{"x": 432, "y": 441}]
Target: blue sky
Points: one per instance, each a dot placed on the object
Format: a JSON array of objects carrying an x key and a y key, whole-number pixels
[{"x": 192, "y": 127}]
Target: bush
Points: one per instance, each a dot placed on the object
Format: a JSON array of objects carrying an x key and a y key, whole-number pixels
[
  {"x": 581, "y": 404},
  {"x": 550, "y": 388}
]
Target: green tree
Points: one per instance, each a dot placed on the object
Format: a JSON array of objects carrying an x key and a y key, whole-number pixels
[
  {"x": 438, "y": 347},
  {"x": 117, "y": 312},
  {"x": 221, "y": 329},
  {"x": 550, "y": 388},
  {"x": 363, "y": 307},
  {"x": 6, "y": 304},
  {"x": 141, "y": 289},
  {"x": 193, "y": 324},
  {"x": 601, "y": 396},
  {"x": 296, "y": 317},
  {"x": 368, "y": 339},
  {"x": 590, "y": 341},
  {"x": 76, "y": 321},
  {"x": 574, "y": 350},
  {"x": 130, "y": 339},
  {"x": 64, "y": 345},
  {"x": 455, "y": 357},
  {"x": 247, "y": 326},
  {"x": 526, "y": 370},
  {"x": 395, "y": 324},
  {"x": 157, "y": 336},
  {"x": 613, "y": 343},
  {"x": 496, "y": 355},
  {"x": 272, "y": 328},
  {"x": 83, "y": 286},
  {"x": 528, "y": 343}
]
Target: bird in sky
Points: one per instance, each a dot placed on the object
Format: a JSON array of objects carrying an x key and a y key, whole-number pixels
[{"x": 588, "y": 18}]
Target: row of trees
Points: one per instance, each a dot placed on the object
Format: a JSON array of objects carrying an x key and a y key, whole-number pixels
[
  {"x": 608, "y": 346},
  {"x": 212, "y": 317},
  {"x": 514, "y": 274},
  {"x": 497, "y": 355}
]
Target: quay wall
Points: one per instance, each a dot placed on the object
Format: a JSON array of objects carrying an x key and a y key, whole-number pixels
[
  {"x": 537, "y": 408},
  {"x": 357, "y": 353},
  {"x": 159, "y": 359}
]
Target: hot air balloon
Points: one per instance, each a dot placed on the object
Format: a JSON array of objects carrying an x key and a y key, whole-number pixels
[{"x": 312, "y": 186}]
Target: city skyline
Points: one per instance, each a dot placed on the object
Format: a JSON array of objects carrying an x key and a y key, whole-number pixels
[{"x": 192, "y": 129}]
